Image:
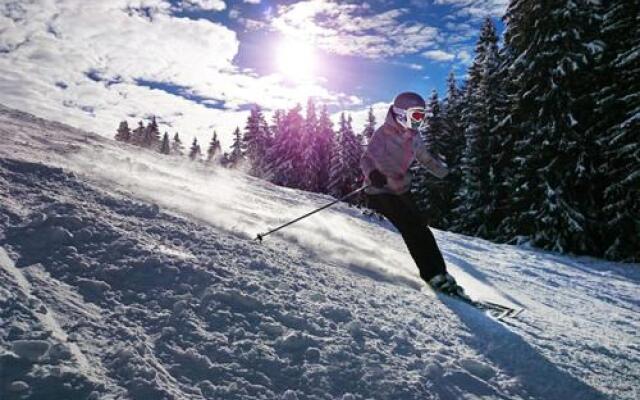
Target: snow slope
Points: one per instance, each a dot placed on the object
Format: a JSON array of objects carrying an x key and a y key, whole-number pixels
[{"x": 128, "y": 275}]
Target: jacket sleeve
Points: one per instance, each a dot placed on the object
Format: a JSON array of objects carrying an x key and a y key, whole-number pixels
[
  {"x": 368, "y": 160},
  {"x": 367, "y": 164},
  {"x": 436, "y": 167}
]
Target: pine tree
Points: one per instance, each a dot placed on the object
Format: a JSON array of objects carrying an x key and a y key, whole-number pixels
[
  {"x": 151, "y": 138},
  {"x": 554, "y": 175},
  {"x": 195, "y": 153},
  {"x": 176, "y": 145},
  {"x": 137, "y": 136},
  {"x": 165, "y": 148},
  {"x": 284, "y": 156},
  {"x": 237, "y": 154},
  {"x": 214, "y": 148},
  {"x": 325, "y": 142},
  {"x": 345, "y": 175},
  {"x": 474, "y": 202},
  {"x": 257, "y": 139},
  {"x": 370, "y": 126},
  {"x": 617, "y": 126},
  {"x": 311, "y": 156},
  {"x": 124, "y": 133},
  {"x": 354, "y": 144},
  {"x": 501, "y": 147},
  {"x": 452, "y": 144},
  {"x": 431, "y": 192},
  {"x": 337, "y": 168},
  {"x": 273, "y": 157}
]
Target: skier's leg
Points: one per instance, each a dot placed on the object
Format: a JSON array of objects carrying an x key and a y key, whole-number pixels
[
  {"x": 420, "y": 238},
  {"x": 404, "y": 215}
]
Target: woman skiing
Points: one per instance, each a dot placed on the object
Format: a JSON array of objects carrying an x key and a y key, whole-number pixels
[{"x": 392, "y": 149}]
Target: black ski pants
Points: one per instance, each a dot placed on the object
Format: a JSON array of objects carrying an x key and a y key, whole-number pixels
[{"x": 403, "y": 213}]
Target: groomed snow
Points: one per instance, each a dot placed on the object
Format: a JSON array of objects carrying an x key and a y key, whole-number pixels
[{"x": 125, "y": 274}]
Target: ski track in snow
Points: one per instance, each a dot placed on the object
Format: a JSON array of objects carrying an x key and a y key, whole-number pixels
[{"x": 137, "y": 277}]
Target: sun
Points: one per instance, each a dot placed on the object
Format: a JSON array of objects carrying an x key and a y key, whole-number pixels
[{"x": 296, "y": 60}]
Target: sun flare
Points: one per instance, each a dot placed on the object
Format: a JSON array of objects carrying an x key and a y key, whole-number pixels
[{"x": 296, "y": 60}]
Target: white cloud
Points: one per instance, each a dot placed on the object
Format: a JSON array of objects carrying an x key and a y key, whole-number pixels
[
  {"x": 234, "y": 13},
  {"x": 253, "y": 24},
  {"x": 251, "y": 1},
  {"x": 477, "y": 8},
  {"x": 464, "y": 56},
  {"x": 209, "y": 5},
  {"x": 353, "y": 29},
  {"x": 413, "y": 66},
  {"x": 80, "y": 62},
  {"x": 438, "y": 55}
]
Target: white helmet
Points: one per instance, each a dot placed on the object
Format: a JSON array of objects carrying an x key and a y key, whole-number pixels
[{"x": 410, "y": 111}]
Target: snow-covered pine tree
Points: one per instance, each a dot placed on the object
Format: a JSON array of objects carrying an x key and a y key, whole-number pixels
[
  {"x": 494, "y": 97},
  {"x": 257, "y": 139},
  {"x": 311, "y": 157},
  {"x": 370, "y": 126},
  {"x": 325, "y": 142},
  {"x": 236, "y": 156},
  {"x": 345, "y": 175},
  {"x": 354, "y": 144},
  {"x": 473, "y": 200},
  {"x": 214, "y": 149},
  {"x": 428, "y": 190},
  {"x": 124, "y": 133},
  {"x": 277, "y": 121},
  {"x": 452, "y": 144},
  {"x": 555, "y": 171},
  {"x": 137, "y": 136},
  {"x": 618, "y": 127},
  {"x": 195, "y": 153},
  {"x": 284, "y": 156},
  {"x": 151, "y": 138},
  {"x": 176, "y": 145},
  {"x": 272, "y": 157},
  {"x": 336, "y": 183},
  {"x": 165, "y": 147},
  {"x": 501, "y": 144}
]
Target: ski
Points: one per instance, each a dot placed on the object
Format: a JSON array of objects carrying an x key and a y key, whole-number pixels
[{"x": 496, "y": 310}]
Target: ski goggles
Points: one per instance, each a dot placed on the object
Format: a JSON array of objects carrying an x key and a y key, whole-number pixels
[{"x": 412, "y": 118}]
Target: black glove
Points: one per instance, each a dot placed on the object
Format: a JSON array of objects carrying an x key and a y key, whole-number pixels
[{"x": 377, "y": 178}]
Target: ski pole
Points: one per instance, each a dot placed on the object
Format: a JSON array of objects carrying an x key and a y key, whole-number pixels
[{"x": 260, "y": 236}]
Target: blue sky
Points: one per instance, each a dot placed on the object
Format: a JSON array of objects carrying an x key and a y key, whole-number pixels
[{"x": 199, "y": 64}]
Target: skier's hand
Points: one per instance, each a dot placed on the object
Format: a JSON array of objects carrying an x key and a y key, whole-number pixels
[{"x": 377, "y": 179}]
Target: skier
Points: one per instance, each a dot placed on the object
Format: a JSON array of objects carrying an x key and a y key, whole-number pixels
[{"x": 391, "y": 151}]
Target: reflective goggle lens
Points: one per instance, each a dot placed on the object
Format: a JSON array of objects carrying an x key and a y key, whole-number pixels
[{"x": 418, "y": 115}]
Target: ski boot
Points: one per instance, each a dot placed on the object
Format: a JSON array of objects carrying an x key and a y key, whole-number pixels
[{"x": 446, "y": 284}]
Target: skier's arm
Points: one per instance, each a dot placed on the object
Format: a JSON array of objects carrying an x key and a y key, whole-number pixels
[
  {"x": 367, "y": 164},
  {"x": 371, "y": 171},
  {"x": 435, "y": 166}
]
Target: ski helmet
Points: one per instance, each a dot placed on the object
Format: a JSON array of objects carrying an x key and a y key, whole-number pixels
[{"x": 409, "y": 110}]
